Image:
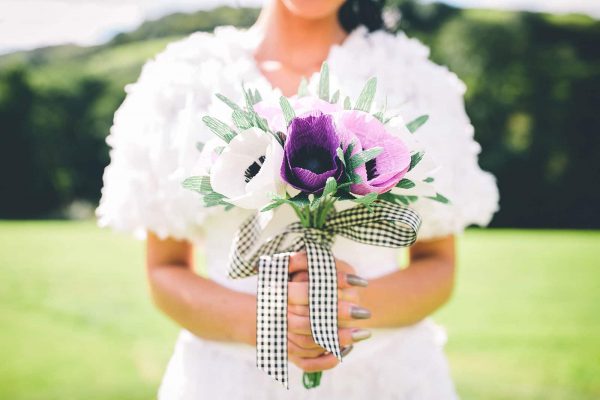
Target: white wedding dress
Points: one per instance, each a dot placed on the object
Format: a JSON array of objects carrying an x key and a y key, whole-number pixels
[{"x": 153, "y": 143}]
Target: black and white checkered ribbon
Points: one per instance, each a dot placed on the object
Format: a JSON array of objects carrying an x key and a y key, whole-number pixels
[{"x": 387, "y": 225}]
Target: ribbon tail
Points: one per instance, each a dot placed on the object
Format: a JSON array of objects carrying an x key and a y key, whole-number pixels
[
  {"x": 322, "y": 292},
  {"x": 271, "y": 317}
]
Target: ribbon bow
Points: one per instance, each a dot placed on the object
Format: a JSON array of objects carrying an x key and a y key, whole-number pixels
[{"x": 386, "y": 224}]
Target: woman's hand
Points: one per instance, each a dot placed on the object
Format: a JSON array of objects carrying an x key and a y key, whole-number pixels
[{"x": 303, "y": 351}]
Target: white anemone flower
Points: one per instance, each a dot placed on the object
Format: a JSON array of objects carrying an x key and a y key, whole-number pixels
[{"x": 247, "y": 172}]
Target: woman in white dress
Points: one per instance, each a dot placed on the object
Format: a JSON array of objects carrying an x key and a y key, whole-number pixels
[{"x": 153, "y": 143}]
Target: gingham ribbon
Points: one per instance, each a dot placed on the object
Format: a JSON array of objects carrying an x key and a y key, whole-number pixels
[{"x": 387, "y": 225}]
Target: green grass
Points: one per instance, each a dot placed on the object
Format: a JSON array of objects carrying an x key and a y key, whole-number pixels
[{"x": 76, "y": 321}]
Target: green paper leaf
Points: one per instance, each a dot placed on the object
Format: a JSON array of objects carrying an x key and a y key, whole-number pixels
[
  {"x": 367, "y": 200},
  {"x": 405, "y": 184},
  {"x": 230, "y": 103},
  {"x": 335, "y": 98},
  {"x": 439, "y": 198},
  {"x": 241, "y": 119},
  {"x": 347, "y": 103},
  {"x": 415, "y": 159},
  {"x": 414, "y": 125},
  {"x": 219, "y": 128},
  {"x": 201, "y": 184},
  {"x": 303, "y": 87},
  {"x": 363, "y": 157},
  {"x": 288, "y": 111},
  {"x": 340, "y": 154},
  {"x": 330, "y": 187},
  {"x": 324, "y": 82},
  {"x": 365, "y": 99}
]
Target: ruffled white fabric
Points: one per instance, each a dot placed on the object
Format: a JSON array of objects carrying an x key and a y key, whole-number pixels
[{"x": 153, "y": 143}]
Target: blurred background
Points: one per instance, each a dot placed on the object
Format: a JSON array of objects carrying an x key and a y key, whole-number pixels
[{"x": 76, "y": 320}]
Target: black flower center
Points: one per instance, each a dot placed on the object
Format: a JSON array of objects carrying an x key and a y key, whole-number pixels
[
  {"x": 254, "y": 169},
  {"x": 314, "y": 159},
  {"x": 371, "y": 167}
]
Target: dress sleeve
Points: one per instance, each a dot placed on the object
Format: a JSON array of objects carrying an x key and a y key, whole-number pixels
[
  {"x": 153, "y": 148},
  {"x": 448, "y": 138}
]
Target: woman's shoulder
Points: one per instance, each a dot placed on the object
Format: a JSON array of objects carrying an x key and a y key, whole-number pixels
[{"x": 401, "y": 63}]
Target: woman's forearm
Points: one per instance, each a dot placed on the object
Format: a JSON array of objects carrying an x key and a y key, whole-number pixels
[
  {"x": 202, "y": 306},
  {"x": 406, "y": 296}
]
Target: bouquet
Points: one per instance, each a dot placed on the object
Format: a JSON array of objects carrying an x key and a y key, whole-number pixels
[{"x": 309, "y": 152}]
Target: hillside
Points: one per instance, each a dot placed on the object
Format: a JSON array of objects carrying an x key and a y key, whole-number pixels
[{"x": 533, "y": 84}]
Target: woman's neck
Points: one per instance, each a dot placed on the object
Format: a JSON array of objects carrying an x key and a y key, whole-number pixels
[{"x": 295, "y": 43}]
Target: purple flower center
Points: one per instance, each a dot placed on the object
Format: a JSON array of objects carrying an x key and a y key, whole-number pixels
[{"x": 310, "y": 153}]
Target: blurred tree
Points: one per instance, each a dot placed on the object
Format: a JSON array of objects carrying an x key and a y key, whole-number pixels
[{"x": 533, "y": 95}]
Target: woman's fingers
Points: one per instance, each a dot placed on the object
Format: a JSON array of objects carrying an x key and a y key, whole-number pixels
[
  {"x": 349, "y": 312},
  {"x": 304, "y": 352},
  {"x": 298, "y": 294},
  {"x": 321, "y": 363},
  {"x": 298, "y": 324}
]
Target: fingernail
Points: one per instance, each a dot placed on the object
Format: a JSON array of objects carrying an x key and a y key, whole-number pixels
[
  {"x": 356, "y": 280},
  {"x": 346, "y": 351},
  {"x": 360, "y": 334},
  {"x": 360, "y": 313}
]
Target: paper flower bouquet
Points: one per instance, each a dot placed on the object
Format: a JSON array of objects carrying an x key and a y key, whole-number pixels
[{"x": 309, "y": 152}]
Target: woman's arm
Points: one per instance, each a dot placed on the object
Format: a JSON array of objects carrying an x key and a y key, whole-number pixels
[
  {"x": 200, "y": 305},
  {"x": 407, "y": 296}
]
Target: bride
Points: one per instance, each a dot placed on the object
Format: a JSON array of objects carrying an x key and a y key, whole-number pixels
[{"x": 392, "y": 350}]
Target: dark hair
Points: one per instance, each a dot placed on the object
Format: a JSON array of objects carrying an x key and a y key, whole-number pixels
[{"x": 361, "y": 12}]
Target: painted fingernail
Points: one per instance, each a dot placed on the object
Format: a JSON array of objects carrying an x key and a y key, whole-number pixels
[
  {"x": 346, "y": 351},
  {"x": 356, "y": 280},
  {"x": 360, "y": 334},
  {"x": 360, "y": 313}
]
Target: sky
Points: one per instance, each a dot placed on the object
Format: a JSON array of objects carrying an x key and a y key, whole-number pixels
[{"x": 27, "y": 24}]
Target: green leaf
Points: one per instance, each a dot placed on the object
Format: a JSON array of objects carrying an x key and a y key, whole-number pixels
[
  {"x": 219, "y": 128},
  {"x": 340, "y": 154},
  {"x": 379, "y": 116},
  {"x": 324, "y": 82},
  {"x": 200, "y": 146},
  {"x": 417, "y": 123},
  {"x": 201, "y": 184},
  {"x": 428, "y": 180},
  {"x": 257, "y": 96},
  {"x": 365, "y": 99},
  {"x": 415, "y": 159},
  {"x": 288, "y": 111},
  {"x": 439, "y": 198},
  {"x": 230, "y": 103},
  {"x": 367, "y": 200},
  {"x": 335, "y": 98},
  {"x": 219, "y": 149},
  {"x": 300, "y": 200},
  {"x": 363, "y": 157},
  {"x": 347, "y": 103},
  {"x": 405, "y": 184},
  {"x": 194, "y": 183},
  {"x": 241, "y": 119},
  {"x": 303, "y": 87},
  {"x": 330, "y": 187},
  {"x": 276, "y": 203}
]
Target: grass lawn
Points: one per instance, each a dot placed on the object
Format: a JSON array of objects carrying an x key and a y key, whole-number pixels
[{"x": 76, "y": 322}]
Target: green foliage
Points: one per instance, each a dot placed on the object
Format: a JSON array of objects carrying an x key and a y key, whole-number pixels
[
  {"x": 365, "y": 99},
  {"x": 539, "y": 342},
  {"x": 324, "y": 82},
  {"x": 532, "y": 91},
  {"x": 414, "y": 125}
]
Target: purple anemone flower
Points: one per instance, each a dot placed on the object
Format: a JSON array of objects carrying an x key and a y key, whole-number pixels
[{"x": 310, "y": 153}]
